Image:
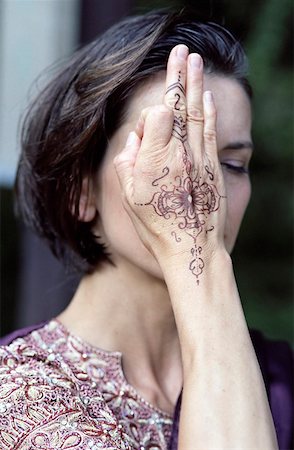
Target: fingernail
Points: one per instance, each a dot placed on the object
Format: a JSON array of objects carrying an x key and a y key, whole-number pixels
[
  {"x": 208, "y": 96},
  {"x": 195, "y": 60},
  {"x": 182, "y": 52},
  {"x": 132, "y": 137}
]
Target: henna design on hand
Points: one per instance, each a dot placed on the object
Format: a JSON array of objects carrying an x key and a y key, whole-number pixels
[
  {"x": 177, "y": 85},
  {"x": 176, "y": 104},
  {"x": 192, "y": 197},
  {"x": 179, "y": 129},
  {"x": 165, "y": 172},
  {"x": 188, "y": 203},
  {"x": 177, "y": 238},
  {"x": 179, "y": 126},
  {"x": 197, "y": 264},
  {"x": 210, "y": 174}
]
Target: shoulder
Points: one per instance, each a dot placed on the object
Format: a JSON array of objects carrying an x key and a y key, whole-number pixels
[
  {"x": 276, "y": 360},
  {"x": 42, "y": 405}
]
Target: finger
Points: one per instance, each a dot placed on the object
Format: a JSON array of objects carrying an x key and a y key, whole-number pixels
[
  {"x": 209, "y": 133},
  {"x": 158, "y": 126},
  {"x": 194, "y": 100},
  {"x": 141, "y": 123},
  {"x": 124, "y": 164},
  {"x": 175, "y": 87},
  {"x": 153, "y": 155}
]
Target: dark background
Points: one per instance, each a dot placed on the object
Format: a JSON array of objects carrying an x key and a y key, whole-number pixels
[{"x": 34, "y": 287}]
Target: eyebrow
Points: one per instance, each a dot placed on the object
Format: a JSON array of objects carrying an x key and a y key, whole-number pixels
[{"x": 238, "y": 145}]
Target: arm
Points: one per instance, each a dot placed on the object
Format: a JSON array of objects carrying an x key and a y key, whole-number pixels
[
  {"x": 224, "y": 401},
  {"x": 174, "y": 192}
]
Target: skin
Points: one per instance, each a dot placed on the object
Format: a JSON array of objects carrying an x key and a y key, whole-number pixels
[
  {"x": 224, "y": 399},
  {"x": 137, "y": 265},
  {"x": 233, "y": 126},
  {"x": 153, "y": 306}
]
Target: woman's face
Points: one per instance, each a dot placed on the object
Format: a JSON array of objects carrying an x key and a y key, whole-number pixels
[{"x": 234, "y": 149}]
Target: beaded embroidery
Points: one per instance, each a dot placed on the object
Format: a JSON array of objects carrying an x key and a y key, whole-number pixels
[{"x": 57, "y": 392}]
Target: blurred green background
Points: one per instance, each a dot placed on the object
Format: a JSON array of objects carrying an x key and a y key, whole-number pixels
[{"x": 263, "y": 256}]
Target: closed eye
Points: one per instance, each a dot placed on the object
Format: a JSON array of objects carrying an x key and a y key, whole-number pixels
[
  {"x": 237, "y": 165},
  {"x": 236, "y": 169}
]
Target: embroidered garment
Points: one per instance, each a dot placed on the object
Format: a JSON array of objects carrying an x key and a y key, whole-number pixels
[{"x": 58, "y": 392}]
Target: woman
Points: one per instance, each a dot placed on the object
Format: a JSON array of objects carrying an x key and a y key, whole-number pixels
[{"x": 124, "y": 166}]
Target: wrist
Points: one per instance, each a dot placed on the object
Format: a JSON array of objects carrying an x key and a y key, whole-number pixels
[
  {"x": 201, "y": 307},
  {"x": 212, "y": 263},
  {"x": 214, "y": 281}
]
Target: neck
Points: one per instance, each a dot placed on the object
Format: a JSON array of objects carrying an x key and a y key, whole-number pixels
[{"x": 125, "y": 309}]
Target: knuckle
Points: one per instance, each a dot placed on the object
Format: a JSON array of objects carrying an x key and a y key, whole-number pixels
[
  {"x": 145, "y": 112},
  {"x": 210, "y": 135},
  {"x": 120, "y": 161},
  {"x": 195, "y": 114},
  {"x": 161, "y": 110},
  {"x": 164, "y": 109},
  {"x": 177, "y": 104}
]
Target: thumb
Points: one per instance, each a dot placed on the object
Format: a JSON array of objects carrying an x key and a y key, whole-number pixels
[
  {"x": 154, "y": 151},
  {"x": 158, "y": 125},
  {"x": 124, "y": 163}
]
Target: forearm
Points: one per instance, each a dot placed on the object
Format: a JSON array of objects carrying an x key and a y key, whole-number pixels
[
  {"x": 224, "y": 402},
  {"x": 175, "y": 193}
]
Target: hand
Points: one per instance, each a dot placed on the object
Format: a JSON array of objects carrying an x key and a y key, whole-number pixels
[{"x": 170, "y": 176}]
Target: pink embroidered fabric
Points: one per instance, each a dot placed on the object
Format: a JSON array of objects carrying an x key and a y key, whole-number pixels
[{"x": 58, "y": 392}]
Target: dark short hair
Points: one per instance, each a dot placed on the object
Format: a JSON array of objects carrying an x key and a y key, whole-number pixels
[{"x": 65, "y": 133}]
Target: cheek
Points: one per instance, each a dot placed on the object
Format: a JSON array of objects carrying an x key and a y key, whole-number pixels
[
  {"x": 114, "y": 218},
  {"x": 116, "y": 227},
  {"x": 238, "y": 196}
]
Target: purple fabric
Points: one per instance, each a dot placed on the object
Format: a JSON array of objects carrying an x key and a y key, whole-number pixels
[
  {"x": 276, "y": 363},
  {"x": 281, "y": 387},
  {"x": 6, "y": 340}
]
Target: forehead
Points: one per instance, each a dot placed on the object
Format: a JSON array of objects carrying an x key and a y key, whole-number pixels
[{"x": 232, "y": 103}]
